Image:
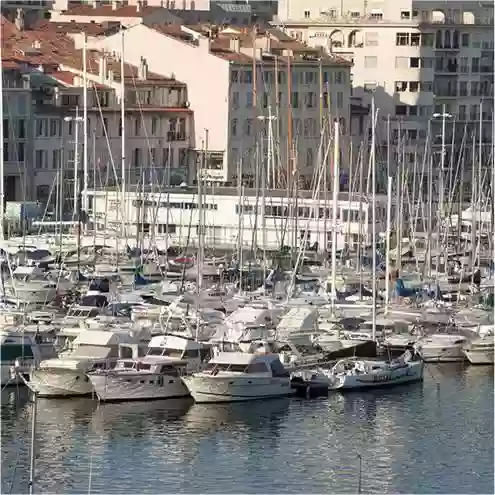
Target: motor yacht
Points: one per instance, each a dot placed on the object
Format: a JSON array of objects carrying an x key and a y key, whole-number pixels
[
  {"x": 441, "y": 347},
  {"x": 66, "y": 376},
  {"x": 481, "y": 351},
  {"x": 238, "y": 376}
]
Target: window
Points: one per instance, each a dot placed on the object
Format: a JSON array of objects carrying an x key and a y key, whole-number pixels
[
  {"x": 355, "y": 14},
  {"x": 415, "y": 39},
  {"x": 154, "y": 126},
  {"x": 40, "y": 160},
  {"x": 309, "y": 157},
  {"x": 295, "y": 99},
  {"x": 56, "y": 159},
  {"x": 376, "y": 15},
  {"x": 414, "y": 62},
  {"x": 307, "y": 14},
  {"x": 427, "y": 39},
  {"x": 136, "y": 157},
  {"x": 21, "y": 129},
  {"x": 265, "y": 100},
  {"x": 400, "y": 86},
  {"x": 414, "y": 14},
  {"x": 339, "y": 77},
  {"x": 248, "y": 127},
  {"x": 400, "y": 110},
  {"x": 309, "y": 127},
  {"x": 235, "y": 100},
  {"x": 54, "y": 127},
  {"x": 370, "y": 86},
  {"x": 234, "y": 76},
  {"x": 6, "y": 128},
  {"x": 247, "y": 77},
  {"x": 309, "y": 77},
  {"x": 405, "y": 15},
  {"x": 233, "y": 127},
  {"x": 475, "y": 64},
  {"x": 413, "y": 110},
  {"x": 474, "y": 112},
  {"x": 370, "y": 62},
  {"x": 310, "y": 99},
  {"x": 464, "y": 65},
  {"x": 414, "y": 86},
  {"x": 6, "y": 152},
  {"x": 475, "y": 88},
  {"x": 182, "y": 157},
  {"x": 402, "y": 39},
  {"x": 461, "y": 113},
  {"x": 340, "y": 99},
  {"x": 424, "y": 110},
  {"x": 137, "y": 126},
  {"x": 249, "y": 99},
  {"x": 371, "y": 39},
  {"x": 152, "y": 156},
  {"x": 412, "y": 134},
  {"x": 21, "y": 147},
  {"x": 401, "y": 62}
]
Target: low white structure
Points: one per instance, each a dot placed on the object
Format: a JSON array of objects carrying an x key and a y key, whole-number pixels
[{"x": 229, "y": 220}]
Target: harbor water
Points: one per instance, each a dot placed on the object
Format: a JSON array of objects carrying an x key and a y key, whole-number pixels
[{"x": 431, "y": 437}]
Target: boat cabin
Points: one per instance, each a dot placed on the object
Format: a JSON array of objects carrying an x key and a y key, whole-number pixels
[
  {"x": 155, "y": 367},
  {"x": 29, "y": 274},
  {"x": 243, "y": 363}
]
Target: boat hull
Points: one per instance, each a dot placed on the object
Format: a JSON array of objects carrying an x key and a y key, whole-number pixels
[
  {"x": 480, "y": 357},
  {"x": 392, "y": 378},
  {"x": 115, "y": 388},
  {"x": 237, "y": 389},
  {"x": 441, "y": 354},
  {"x": 60, "y": 383}
]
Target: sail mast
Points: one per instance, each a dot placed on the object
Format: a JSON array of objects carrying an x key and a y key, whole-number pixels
[{"x": 85, "y": 128}]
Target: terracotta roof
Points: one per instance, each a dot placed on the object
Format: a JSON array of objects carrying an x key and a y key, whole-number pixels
[
  {"x": 108, "y": 11},
  {"x": 57, "y": 49},
  {"x": 277, "y": 42},
  {"x": 90, "y": 28}
]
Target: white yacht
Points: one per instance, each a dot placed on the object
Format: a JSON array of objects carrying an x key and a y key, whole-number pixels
[
  {"x": 481, "y": 351},
  {"x": 154, "y": 376},
  {"x": 441, "y": 347},
  {"x": 66, "y": 376},
  {"x": 32, "y": 285},
  {"x": 238, "y": 376},
  {"x": 355, "y": 373}
]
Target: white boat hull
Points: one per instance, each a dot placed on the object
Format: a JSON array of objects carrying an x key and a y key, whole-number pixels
[
  {"x": 480, "y": 357},
  {"x": 437, "y": 354},
  {"x": 112, "y": 387},
  {"x": 389, "y": 378},
  {"x": 206, "y": 389},
  {"x": 60, "y": 383}
]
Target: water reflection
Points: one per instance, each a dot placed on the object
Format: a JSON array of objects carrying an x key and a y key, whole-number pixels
[{"x": 422, "y": 438}]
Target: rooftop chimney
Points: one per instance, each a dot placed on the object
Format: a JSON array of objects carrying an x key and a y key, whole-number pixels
[
  {"x": 139, "y": 6},
  {"x": 143, "y": 69},
  {"x": 235, "y": 45},
  {"x": 19, "y": 19},
  {"x": 102, "y": 63}
]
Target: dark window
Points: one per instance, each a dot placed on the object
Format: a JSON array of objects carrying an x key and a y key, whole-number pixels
[{"x": 278, "y": 369}]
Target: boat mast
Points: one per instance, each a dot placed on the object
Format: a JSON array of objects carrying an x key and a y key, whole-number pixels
[
  {"x": 373, "y": 212},
  {"x": 32, "y": 463},
  {"x": 335, "y": 205},
  {"x": 85, "y": 129},
  {"x": 387, "y": 252},
  {"x": 122, "y": 118},
  {"x": 2, "y": 195}
]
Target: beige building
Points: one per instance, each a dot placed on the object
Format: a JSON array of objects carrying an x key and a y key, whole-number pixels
[
  {"x": 234, "y": 105},
  {"x": 416, "y": 57},
  {"x": 49, "y": 73}
]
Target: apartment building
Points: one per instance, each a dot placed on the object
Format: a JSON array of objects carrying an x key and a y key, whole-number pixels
[
  {"x": 239, "y": 87},
  {"x": 158, "y": 122},
  {"x": 417, "y": 58},
  {"x": 17, "y": 131}
]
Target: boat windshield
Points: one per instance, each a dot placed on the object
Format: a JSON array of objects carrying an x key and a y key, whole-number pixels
[
  {"x": 161, "y": 351},
  {"x": 215, "y": 367},
  {"x": 10, "y": 353}
]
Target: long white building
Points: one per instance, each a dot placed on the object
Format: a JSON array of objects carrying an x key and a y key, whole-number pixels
[{"x": 230, "y": 218}]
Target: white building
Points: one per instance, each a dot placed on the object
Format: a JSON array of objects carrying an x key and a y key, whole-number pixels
[
  {"x": 231, "y": 104},
  {"x": 173, "y": 216},
  {"x": 416, "y": 57}
]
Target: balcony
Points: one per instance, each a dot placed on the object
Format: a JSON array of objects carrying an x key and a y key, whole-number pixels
[{"x": 176, "y": 136}]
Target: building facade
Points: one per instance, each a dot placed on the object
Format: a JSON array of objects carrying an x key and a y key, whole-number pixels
[
  {"x": 238, "y": 83},
  {"x": 173, "y": 216},
  {"x": 43, "y": 127},
  {"x": 418, "y": 59}
]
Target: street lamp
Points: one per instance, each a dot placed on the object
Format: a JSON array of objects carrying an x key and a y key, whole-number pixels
[{"x": 75, "y": 119}]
